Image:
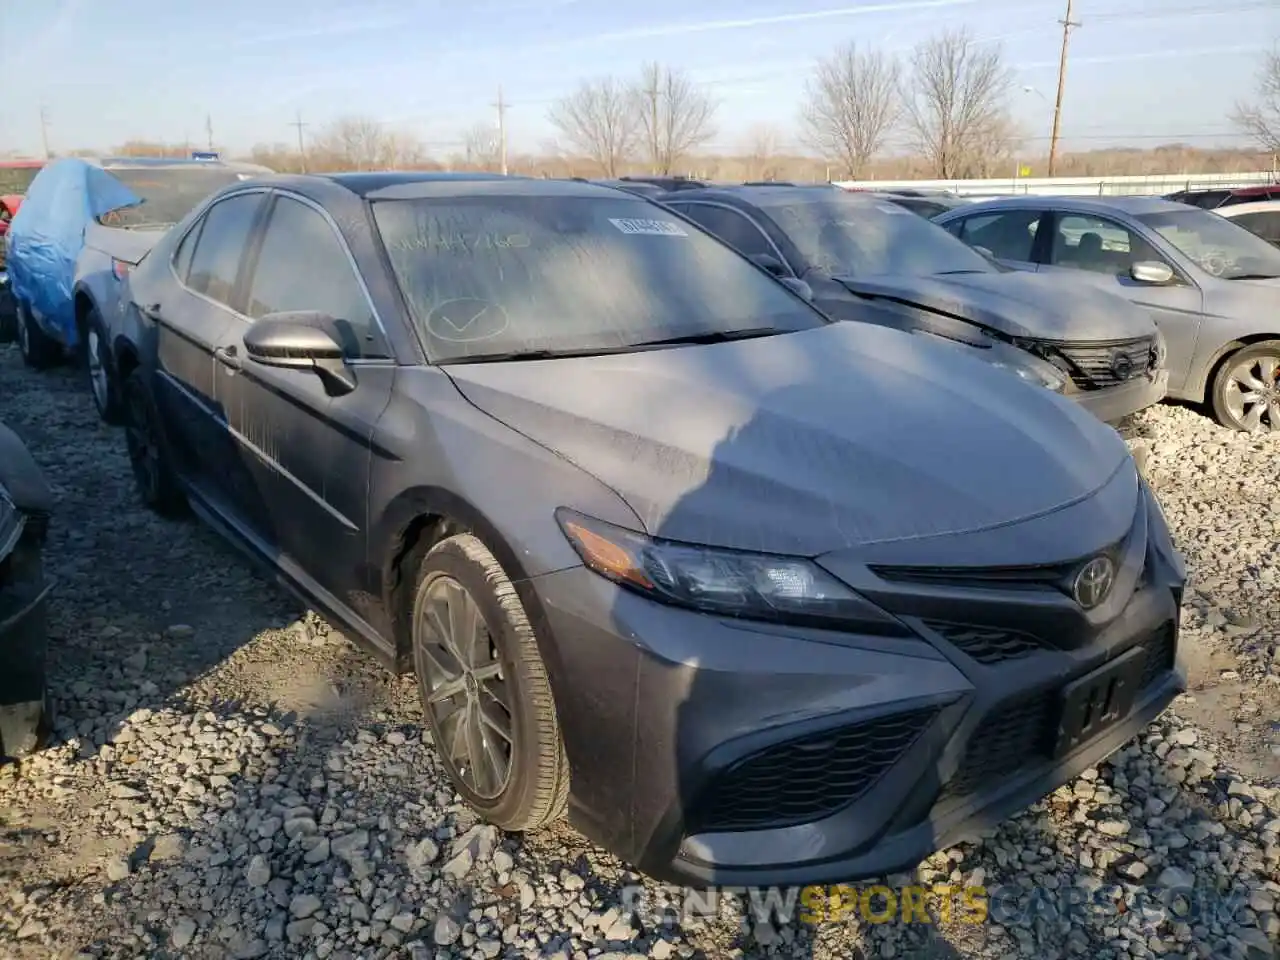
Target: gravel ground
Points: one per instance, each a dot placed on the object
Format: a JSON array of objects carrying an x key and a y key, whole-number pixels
[{"x": 230, "y": 778}]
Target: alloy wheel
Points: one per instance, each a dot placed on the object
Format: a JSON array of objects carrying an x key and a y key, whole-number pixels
[
  {"x": 97, "y": 370},
  {"x": 463, "y": 685},
  {"x": 1252, "y": 393}
]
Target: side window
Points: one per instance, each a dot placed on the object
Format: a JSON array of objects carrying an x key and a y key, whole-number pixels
[
  {"x": 303, "y": 266},
  {"x": 220, "y": 246},
  {"x": 731, "y": 227},
  {"x": 1265, "y": 224},
  {"x": 1008, "y": 234},
  {"x": 182, "y": 256},
  {"x": 1097, "y": 244}
]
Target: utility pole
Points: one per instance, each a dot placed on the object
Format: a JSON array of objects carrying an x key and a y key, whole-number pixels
[
  {"x": 44, "y": 130},
  {"x": 502, "y": 130},
  {"x": 208, "y": 129},
  {"x": 1067, "y": 24},
  {"x": 302, "y": 150}
]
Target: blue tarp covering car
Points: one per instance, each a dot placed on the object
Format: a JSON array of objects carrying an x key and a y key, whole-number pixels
[{"x": 46, "y": 237}]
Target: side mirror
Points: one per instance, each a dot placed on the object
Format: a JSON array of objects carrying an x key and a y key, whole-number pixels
[
  {"x": 300, "y": 341},
  {"x": 1151, "y": 271},
  {"x": 771, "y": 263},
  {"x": 801, "y": 288}
]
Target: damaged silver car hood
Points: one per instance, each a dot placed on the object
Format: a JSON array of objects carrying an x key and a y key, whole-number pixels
[{"x": 806, "y": 442}]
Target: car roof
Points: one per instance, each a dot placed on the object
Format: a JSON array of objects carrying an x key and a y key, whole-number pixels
[
  {"x": 1132, "y": 205},
  {"x": 416, "y": 184},
  {"x": 1256, "y": 206},
  {"x": 764, "y": 196}
]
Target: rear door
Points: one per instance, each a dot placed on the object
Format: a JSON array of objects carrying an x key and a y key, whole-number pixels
[
  {"x": 1101, "y": 250},
  {"x": 1007, "y": 235},
  {"x": 191, "y": 317},
  {"x": 308, "y": 451}
]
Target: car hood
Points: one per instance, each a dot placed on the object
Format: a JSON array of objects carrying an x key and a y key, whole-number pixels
[
  {"x": 127, "y": 245},
  {"x": 1017, "y": 304},
  {"x": 843, "y": 435}
]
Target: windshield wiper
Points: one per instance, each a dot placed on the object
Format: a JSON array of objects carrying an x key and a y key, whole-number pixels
[
  {"x": 536, "y": 354},
  {"x": 713, "y": 336},
  {"x": 952, "y": 273},
  {"x": 1256, "y": 276}
]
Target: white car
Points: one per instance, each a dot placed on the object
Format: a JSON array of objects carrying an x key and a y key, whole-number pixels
[{"x": 1262, "y": 218}]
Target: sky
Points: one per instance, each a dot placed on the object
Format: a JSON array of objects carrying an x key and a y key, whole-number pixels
[{"x": 1140, "y": 72}]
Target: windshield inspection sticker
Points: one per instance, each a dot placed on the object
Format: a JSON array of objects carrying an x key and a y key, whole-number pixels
[{"x": 653, "y": 228}]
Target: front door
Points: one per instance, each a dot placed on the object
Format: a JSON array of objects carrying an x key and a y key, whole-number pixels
[
  {"x": 309, "y": 450},
  {"x": 1102, "y": 251}
]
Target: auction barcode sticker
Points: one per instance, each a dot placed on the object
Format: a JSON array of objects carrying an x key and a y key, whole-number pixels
[{"x": 655, "y": 228}]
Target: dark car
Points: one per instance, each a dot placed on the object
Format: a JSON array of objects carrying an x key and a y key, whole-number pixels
[
  {"x": 1212, "y": 198},
  {"x": 26, "y": 504},
  {"x": 663, "y": 544},
  {"x": 1212, "y": 286},
  {"x": 868, "y": 259},
  {"x": 639, "y": 188}
]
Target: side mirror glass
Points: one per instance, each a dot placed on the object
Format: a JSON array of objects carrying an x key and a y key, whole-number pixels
[
  {"x": 770, "y": 263},
  {"x": 300, "y": 341},
  {"x": 799, "y": 286},
  {"x": 1151, "y": 271}
]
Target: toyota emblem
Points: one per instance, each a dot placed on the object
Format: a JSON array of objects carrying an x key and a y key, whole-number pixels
[{"x": 1093, "y": 582}]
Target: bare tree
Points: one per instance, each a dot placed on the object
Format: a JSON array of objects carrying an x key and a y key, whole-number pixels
[
  {"x": 761, "y": 149},
  {"x": 957, "y": 104},
  {"x": 672, "y": 115},
  {"x": 356, "y": 142},
  {"x": 1260, "y": 119},
  {"x": 851, "y": 106},
  {"x": 481, "y": 148},
  {"x": 596, "y": 120}
]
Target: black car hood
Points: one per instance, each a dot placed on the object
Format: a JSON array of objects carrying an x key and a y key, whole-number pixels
[
  {"x": 808, "y": 442},
  {"x": 1017, "y": 304}
]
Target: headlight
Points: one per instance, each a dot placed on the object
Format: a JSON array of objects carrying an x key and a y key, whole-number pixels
[
  {"x": 723, "y": 582},
  {"x": 1030, "y": 368}
]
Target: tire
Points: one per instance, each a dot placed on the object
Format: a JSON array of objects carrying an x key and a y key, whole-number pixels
[
  {"x": 100, "y": 373},
  {"x": 461, "y": 570},
  {"x": 153, "y": 473},
  {"x": 1259, "y": 364},
  {"x": 39, "y": 351}
]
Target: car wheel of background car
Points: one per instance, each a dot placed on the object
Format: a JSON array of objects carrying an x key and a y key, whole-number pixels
[
  {"x": 1246, "y": 389},
  {"x": 38, "y": 350},
  {"x": 484, "y": 688},
  {"x": 25, "y": 728},
  {"x": 148, "y": 453},
  {"x": 97, "y": 363}
]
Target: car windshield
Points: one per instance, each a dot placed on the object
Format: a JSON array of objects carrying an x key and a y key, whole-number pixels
[
  {"x": 1216, "y": 245},
  {"x": 167, "y": 193},
  {"x": 846, "y": 236},
  {"x": 494, "y": 275}
]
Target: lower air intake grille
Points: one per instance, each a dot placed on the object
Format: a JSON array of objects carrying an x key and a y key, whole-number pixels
[
  {"x": 987, "y": 645},
  {"x": 806, "y": 779}
]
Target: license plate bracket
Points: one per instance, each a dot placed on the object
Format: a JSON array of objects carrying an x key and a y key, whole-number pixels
[{"x": 1098, "y": 700}]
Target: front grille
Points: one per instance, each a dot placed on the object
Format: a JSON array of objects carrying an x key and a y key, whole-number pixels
[
  {"x": 1097, "y": 366},
  {"x": 987, "y": 645},
  {"x": 808, "y": 778},
  {"x": 1020, "y": 733}
]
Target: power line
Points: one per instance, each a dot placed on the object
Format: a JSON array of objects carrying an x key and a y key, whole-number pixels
[
  {"x": 1067, "y": 24},
  {"x": 302, "y": 150}
]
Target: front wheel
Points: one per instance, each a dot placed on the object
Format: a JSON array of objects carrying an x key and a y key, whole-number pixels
[
  {"x": 484, "y": 688},
  {"x": 1246, "y": 390},
  {"x": 153, "y": 472},
  {"x": 39, "y": 350},
  {"x": 103, "y": 385}
]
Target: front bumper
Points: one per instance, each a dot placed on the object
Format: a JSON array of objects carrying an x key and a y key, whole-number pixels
[
  {"x": 1112, "y": 404},
  {"x": 715, "y": 752}
]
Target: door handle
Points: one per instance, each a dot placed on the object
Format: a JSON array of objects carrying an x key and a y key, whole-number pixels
[{"x": 227, "y": 357}]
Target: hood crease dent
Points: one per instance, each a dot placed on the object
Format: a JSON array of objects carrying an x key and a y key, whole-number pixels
[{"x": 849, "y": 434}]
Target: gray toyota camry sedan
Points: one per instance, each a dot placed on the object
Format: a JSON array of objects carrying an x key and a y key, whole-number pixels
[{"x": 665, "y": 547}]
